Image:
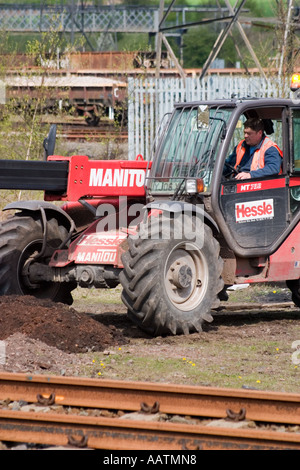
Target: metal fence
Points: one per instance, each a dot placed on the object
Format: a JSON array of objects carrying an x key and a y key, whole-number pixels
[
  {"x": 150, "y": 99},
  {"x": 89, "y": 19}
]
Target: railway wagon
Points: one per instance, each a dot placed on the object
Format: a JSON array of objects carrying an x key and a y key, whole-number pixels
[{"x": 89, "y": 96}]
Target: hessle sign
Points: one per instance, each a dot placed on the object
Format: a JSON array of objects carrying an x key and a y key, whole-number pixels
[{"x": 254, "y": 210}]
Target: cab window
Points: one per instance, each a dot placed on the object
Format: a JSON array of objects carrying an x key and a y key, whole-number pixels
[
  {"x": 296, "y": 140},
  {"x": 272, "y": 118}
]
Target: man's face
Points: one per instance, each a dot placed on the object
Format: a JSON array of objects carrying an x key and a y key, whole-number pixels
[{"x": 252, "y": 137}]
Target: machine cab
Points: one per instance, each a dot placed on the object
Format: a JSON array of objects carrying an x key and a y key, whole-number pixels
[
  {"x": 257, "y": 215},
  {"x": 253, "y": 215}
]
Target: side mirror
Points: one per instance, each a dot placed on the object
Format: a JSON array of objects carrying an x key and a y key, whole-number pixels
[
  {"x": 49, "y": 142},
  {"x": 203, "y": 117}
]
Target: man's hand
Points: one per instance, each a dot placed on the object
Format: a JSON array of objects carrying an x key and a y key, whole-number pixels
[{"x": 243, "y": 176}]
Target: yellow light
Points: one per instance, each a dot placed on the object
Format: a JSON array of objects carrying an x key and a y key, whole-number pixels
[
  {"x": 200, "y": 185},
  {"x": 295, "y": 82},
  {"x": 194, "y": 185}
]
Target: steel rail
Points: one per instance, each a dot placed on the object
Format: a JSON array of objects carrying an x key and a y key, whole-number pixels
[
  {"x": 94, "y": 137},
  {"x": 258, "y": 306},
  {"x": 205, "y": 402},
  {"x": 118, "y": 434},
  {"x": 73, "y": 132}
]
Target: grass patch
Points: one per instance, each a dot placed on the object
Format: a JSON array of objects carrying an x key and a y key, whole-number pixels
[
  {"x": 262, "y": 292},
  {"x": 265, "y": 365},
  {"x": 236, "y": 352},
  {"x": 95, "y": 296}
]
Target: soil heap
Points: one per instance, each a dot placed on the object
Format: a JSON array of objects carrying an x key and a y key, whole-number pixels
[{"x": 54, "y": 324}]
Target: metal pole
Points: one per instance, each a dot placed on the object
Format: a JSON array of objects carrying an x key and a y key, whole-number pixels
[
  {"x": 159, "y": 39},
  {"x": 177, "y": 64},
  {"x": 72, "y": 22},
  {"x": 220, "y": 41},
  {"x": 246, "y": 41},
  {"x": 285, "y": 38}
]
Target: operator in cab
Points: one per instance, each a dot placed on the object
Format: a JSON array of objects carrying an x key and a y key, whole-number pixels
[{"x": 256, "y": 155}]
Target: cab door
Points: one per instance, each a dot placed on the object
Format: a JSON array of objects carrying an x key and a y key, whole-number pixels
[{"x": 256, "y": 211}]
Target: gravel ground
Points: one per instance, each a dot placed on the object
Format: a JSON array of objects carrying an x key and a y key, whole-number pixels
[{"x": 241, "y": 348}]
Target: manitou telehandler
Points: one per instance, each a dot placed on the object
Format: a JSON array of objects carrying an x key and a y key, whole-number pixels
[{"x": 174, "y": 231}]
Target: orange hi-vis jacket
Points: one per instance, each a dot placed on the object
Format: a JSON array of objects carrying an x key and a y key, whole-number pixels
[{"x": 258, "y": 159}]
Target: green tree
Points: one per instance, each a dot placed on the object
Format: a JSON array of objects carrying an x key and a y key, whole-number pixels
[{"x": 198, "y": 43}]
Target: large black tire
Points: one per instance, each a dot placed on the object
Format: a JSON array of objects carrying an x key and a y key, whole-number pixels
[
  {"x": 170, "y": 285},
  {"x": 294, "y": 286},
  {"x": 21, "y": 237}
]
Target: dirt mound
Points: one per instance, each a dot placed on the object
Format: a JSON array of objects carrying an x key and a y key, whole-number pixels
[{"x": 54, "y": 324}]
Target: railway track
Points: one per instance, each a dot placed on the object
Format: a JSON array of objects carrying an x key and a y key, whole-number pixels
[
  {"x": 94, "y": 134},
  {"x": 81, "y": 132},
  {"x": 141, "y": 416},
  {"x": 78, "y": 130}
]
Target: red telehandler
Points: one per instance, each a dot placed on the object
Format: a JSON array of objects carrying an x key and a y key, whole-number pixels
[{"x": 174, "y": 231}]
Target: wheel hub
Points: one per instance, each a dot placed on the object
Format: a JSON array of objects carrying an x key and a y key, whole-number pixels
[
  {"x": 185, "y": 276},
  {"x": 182, "y": 276}
]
